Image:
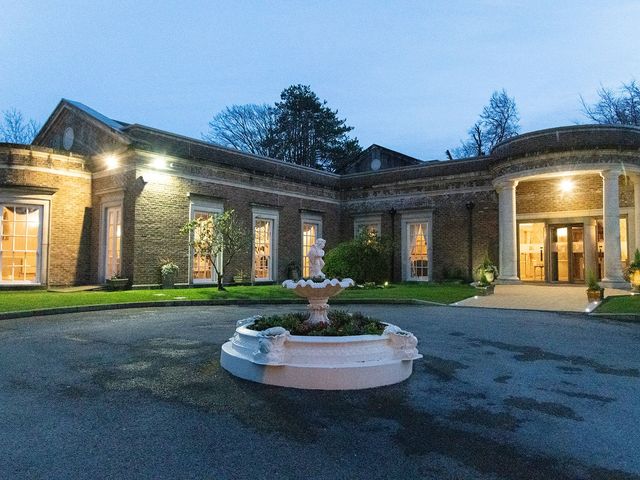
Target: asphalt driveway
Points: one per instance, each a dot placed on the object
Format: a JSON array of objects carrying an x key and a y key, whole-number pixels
[{"x": 140, "y": 394}]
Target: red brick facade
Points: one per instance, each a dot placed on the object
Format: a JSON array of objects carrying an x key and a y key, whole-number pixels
[{"x": 458, "y": 198}]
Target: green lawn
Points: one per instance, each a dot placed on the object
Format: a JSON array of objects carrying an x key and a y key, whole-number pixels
[
  {"x": 11, "y": 301},
  {"x": 621, "y": 304}
]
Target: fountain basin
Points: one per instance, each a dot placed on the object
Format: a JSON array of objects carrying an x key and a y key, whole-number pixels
[
  {"x": 275, "y": 357},
  {"x": 318, "y": 293}
]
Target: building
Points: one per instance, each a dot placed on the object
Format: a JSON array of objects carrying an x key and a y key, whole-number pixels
[{"x": 93, "y": 197}]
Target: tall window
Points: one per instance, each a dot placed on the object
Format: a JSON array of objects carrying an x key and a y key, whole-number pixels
[
  {"x": 202, "y": 270},
  {"x": 418, "y": 256},
  {"x": 416, "y": 246},
  {"x": 20, "y": 233},
  {"x": 265, "y": 244},
  {"x": 263, "y": 229},
  {"x": 113, "y": 219},
  {"x": 311, "y": 231}
]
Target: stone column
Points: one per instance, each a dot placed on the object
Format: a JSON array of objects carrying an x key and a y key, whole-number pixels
[
  {"x": 612, "y": 276},
  {"x": 590, "y": 247},
  {"x": 635, "y": 178},
  {"x": 508, "y": 235}
]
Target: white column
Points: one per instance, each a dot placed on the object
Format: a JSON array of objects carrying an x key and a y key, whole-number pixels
[
  {"x": 590, "y": 247},
  {"x": 507, "y": 224},
  {"x": 612, "y": 276},
  {"x": 636, "y": 202}
]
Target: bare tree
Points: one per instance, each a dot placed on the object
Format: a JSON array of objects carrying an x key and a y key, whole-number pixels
[
  {"x": 617, "y": 108},
  {"x": 14, "y": 128},
  {"x": 243, "y": 127},
  {"x": 218, "y": 236},
  {"x": 498, "y": 121}
]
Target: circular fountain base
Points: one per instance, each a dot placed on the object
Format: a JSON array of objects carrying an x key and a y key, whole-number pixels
[{"x": 275, "y": 357}]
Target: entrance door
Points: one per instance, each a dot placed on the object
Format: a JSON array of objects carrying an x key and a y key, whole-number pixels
[{"x": 567, "y": 253}]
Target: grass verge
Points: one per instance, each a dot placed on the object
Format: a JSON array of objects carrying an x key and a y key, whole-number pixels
[
  {"x": 621, "y": 304},
  {"x": 14, "y": 301}
]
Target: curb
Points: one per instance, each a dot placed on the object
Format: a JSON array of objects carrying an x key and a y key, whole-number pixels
[
  {"x": 197, "y": 303},
  {"x": 618, "y": 317}
]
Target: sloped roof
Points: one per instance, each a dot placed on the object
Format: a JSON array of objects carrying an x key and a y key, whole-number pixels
[{"x": 97, "y": 115}]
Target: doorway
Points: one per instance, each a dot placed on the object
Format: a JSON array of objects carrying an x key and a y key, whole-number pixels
[{"x": 567, "y": 253}]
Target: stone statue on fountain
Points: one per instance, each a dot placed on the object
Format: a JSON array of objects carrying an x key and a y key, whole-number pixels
[{"x": 316, "y": 252}]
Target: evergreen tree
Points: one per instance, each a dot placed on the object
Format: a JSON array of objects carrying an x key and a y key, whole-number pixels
[{"x": 307, "y": 132}]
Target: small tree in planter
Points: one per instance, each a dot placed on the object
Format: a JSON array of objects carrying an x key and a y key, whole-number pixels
[
  {"x": 212, "y": 236},
  {"x": 487, "y": 270},
  {"x": 633, "y": 271},
  {"x": 486, "y": 274},
  {"x": 169, "y": 271},
  {"x": 595, "y": 293}
]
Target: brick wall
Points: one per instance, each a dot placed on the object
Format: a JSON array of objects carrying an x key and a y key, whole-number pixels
[
  {"x": 162, "y": 208},
  {"x": 70, "y": 207},
  {"x": 546, "y": 196}
]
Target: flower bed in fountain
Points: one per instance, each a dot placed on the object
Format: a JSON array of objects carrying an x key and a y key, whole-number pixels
[{"x": 342, "y": 324}]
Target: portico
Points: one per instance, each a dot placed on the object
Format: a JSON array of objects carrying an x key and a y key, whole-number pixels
[{"x": 563, "y": 215}]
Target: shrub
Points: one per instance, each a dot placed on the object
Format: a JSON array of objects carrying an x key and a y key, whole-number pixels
[
  {"x": 366, "y": 258},
  {"x": 342, "y": 323}
]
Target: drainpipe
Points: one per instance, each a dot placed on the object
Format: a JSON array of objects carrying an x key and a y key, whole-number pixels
[
  {"x": 393, "y": 212},
  {"x": 470, "y": 206}
]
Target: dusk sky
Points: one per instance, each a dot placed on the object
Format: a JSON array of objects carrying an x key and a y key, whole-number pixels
[{"x": 410, "y": 75}]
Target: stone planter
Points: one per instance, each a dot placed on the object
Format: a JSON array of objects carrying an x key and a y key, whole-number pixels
[
  {"x": 117, "y": 283},
  {"x": 484, "y": 290},
  {"x": 595, "y": 295},
  {"x": 168, "y": 281}
]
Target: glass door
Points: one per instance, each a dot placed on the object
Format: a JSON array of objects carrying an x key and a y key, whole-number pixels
[
  {"x": 113, "y": 224},
  {"x": 577, "y": 254},
  {"x": 567, "y": 253}
]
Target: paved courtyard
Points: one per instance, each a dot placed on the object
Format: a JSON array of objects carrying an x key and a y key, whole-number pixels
[
  {"x": 556, "y": 298},
  {"x": 140, "y": 394}
]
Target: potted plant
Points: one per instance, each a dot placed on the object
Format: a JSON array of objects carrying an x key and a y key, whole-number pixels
[
  {"x": 488, "y": 270},
  {"x": 486, "y": 274},
  {"x": 169, "y": 272},
  {"x": 595, "y": 293},
  {"x": 241, "y": 277},
  {"x": 484, "y": 286},
  {"x": 633, "y": 271},
  {"x": 116, "y": 282}
]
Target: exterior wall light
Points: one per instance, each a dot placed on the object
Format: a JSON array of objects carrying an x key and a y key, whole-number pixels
[
  {"x": 111, "y": 162},
  {"x": 159, "y": 163},
  {"x": 566, "y": 185}
]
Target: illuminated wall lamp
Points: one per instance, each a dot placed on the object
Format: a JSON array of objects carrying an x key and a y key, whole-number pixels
[
  {"x": 566, "y": 185},
  {"x": 159, "y": 163},
  {"x": 111, "y": 162}
]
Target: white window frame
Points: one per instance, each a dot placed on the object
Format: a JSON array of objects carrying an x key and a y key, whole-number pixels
[
  {"x": 309, "y": 219},
  {"x": 112, "y": 200},
  {"x": 274, "y": 217},
  {"x": 44, "y": 202},
  {"x": 364, "y": 220},
  {"x": 407, "y": 219},
  {"x": 205, "y": 206}
]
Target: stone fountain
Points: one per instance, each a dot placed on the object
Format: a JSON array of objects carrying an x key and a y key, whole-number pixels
[{"x": 276, "y": 357}]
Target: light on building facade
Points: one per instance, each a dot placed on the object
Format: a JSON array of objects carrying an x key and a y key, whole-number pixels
[
  {"x": 159, "y": 163},
  {"x": 111, "y": 162},
  {"x": 566, "y": 185}
]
